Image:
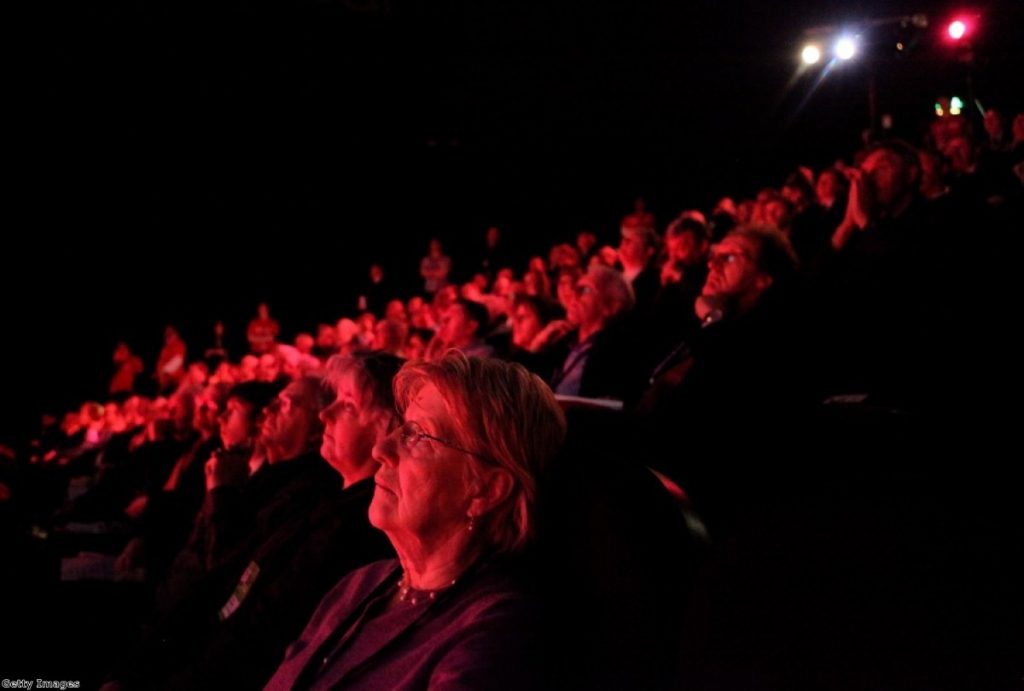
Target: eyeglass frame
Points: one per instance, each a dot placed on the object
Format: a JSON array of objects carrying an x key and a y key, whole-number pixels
[{"x": 419, "y": 434}]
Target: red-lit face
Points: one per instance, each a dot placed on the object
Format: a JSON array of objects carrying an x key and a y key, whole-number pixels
[
  {"x": 269, "y": 368},
  {"x": 683, "y": 248},
  {"x": 525, "y": 325},
  {"x": 585, "y": 241},
  {"x": 180, "y": 408},
  {"x": 235, "y": 422},
  {"x": 633, "y": 250},
  {"x": 887, "y": 176},
  {"x": 776, "y": 213},
  {"x": 207, "y": 411},
  {"x": 733, "y": 272},
  {"x": 827, "y": 188},
  {"x": 351, "y": 427},
  {"x": 423, "y": 487},
  {"x": 587, "y": 309},
  {"x": 289, "y": 423},
  {"x": 960, "y": 154},
  {"x": 455, "y": 326},
  {"x": 395, "y": 310}
]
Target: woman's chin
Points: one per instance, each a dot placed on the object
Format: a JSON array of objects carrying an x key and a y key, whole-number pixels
[{"x": 381, "y": 508}]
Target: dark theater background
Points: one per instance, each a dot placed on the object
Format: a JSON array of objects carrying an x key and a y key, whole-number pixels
[{"x": 181, "y": 162}]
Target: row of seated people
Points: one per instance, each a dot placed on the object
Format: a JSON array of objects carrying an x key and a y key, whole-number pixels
[{"x": 242, "y": 528}]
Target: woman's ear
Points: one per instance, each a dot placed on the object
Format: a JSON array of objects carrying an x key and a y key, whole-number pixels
[{"x": 495, "y": 486}]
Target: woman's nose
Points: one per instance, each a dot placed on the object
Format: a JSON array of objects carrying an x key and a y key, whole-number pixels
[
  {"x": 385, "y": 451},
  {"x": 327, "y": 414}
]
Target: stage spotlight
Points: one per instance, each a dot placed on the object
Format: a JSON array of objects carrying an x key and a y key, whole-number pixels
[
  {"x": 845, "y": 48},
  {"x": 957, "y": 29},
  {"x": 811, "y": 54}
]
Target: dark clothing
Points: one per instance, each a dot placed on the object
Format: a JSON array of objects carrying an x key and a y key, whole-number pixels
[
  {"x": 743, "y": 380},
  {"x": 646, "y": 285},
  {"x": 607, "y": 365},
  {"x": 474, "y": 635},
  {"x": 234, "y": 522},
  {"x": 811, "y": 235},
  {"x": 170, "y": 513},
  {"x": 245, "y": 626},
  {"x": 891, "y": 295}
]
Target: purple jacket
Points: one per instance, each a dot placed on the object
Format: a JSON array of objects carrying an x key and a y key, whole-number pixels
[{"x": 474, "y": 636}]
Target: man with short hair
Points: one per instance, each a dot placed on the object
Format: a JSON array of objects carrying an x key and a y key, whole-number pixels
[
  {"x": 741, "y": 375},
  {"x": 637, "y": 249},
  {"x": 890, "y": 287},
  {"x": 462, "y": 326}
]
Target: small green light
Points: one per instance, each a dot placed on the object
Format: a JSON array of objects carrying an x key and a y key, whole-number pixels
[{"x": 938, "y": 110}]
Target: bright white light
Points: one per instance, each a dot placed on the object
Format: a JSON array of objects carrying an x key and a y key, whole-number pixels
[
  {"x": 811, "y": 54},
  {"x": 845, "y": 48},
  {"x": 957, "y": 30}
]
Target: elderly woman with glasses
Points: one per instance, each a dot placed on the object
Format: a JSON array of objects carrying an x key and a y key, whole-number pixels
[{"x": 455, "y": 494}]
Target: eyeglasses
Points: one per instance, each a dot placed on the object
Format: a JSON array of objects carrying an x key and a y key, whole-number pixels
[
  {"x": 584, "y": 289},
  {"x": 720, "y": 259},
  {"x": 410, "y": 434}
]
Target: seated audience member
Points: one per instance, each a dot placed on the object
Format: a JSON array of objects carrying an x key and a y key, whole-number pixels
[
  {"x": 247, "y": 498},
  {"x": 389, "y": 335},
  {"x": 599, "y": 363},
  {"x": 305, "y": 343},
  {"x": 742, "y": 370},
  {"x": 456, "y": 495},
  {"x": 565, "y": 287},
  {"x": 326, "y": 341},
  {"x": 347, "y": 341},
  {"x": 165, "y": 515},
  {"x": 302, "y": 558},
  {"x": 420, "y": 313},
  {"x": 637, "y": 250},
  {"x": 535, "y": 280},
  {"x": 528, "y": 318},
  {"x": 248, "y": 368},
  {"x": 462, "y": 327},
  {"x": 682, "y": 275}
]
